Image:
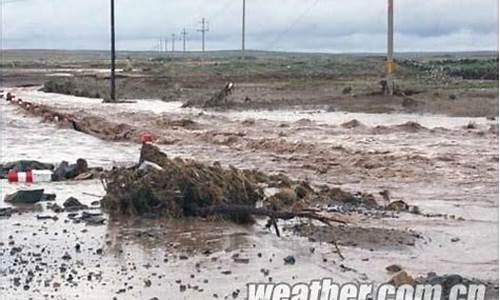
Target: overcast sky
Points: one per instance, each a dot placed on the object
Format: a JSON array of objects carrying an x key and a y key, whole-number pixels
[{"x": 292, "y": 25}]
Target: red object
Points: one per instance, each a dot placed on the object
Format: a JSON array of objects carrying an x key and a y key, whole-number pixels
[
  {"x": 147, "y": 138},
  {"x": 12, "y": 176},
  {"x": 29, "y": 177}
]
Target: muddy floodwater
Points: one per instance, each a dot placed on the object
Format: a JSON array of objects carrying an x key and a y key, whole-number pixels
[{"x": 446, "y": 166}]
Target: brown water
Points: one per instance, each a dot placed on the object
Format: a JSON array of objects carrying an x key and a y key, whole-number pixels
[{"x": 450, "y": 171}]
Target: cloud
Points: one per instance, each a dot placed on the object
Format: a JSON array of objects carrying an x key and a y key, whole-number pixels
[{"x": 293, "y": 25}]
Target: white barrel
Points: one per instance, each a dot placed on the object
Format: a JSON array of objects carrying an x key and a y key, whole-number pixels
[{"x": 42, "y": 175}]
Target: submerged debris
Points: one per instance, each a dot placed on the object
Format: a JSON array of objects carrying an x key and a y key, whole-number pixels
[{"x": 179, "y": 188}]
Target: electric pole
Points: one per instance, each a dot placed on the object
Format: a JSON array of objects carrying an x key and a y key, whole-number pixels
[
  {"x": 165, "y": 44},
  {"x": 173, "y": 42},
  {"x": 113, "y": 54},
  {"x": 390, "y": 66},
  {"x": 203, "y": 30},
  {"x": 184, "y": 34},
  {"x": 243, "y": 31}
]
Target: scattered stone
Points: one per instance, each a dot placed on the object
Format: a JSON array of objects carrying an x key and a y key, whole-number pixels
[
  {"x": 66, "y": 256},
  {"x": 241, "y": 260},
  {"x": 289, "y": 260},
  {"x": 7, "y": 211},
  {"x": 398, "y": 206},
  {"x": 55, "y": 207},
  {"x": 394, "y": 268},
  {"x": 73, "y": 204},
  {"x": 54, "y": 218}
]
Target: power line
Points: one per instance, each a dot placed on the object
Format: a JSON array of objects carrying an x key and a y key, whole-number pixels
[
  {"x": 293, "y": 23},
  {"x": 243, "y": 28},
  {"x": 173, "y": 42},
  {"x": 113, "y": 54},
  {"x": 204, "y": 29},
  {"x": 184, "y": 34}
]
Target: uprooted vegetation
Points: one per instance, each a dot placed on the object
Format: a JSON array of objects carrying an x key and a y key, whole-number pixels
[{"x": 164, "y": 187}]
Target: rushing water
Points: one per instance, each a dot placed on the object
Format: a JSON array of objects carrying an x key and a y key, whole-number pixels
[{"x": 136, "y": 250}]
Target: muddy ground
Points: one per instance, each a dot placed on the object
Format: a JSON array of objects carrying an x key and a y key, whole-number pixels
[{"x": 302, "y": 126}]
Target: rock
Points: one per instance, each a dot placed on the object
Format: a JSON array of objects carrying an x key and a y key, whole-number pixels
[
  {"x": 398, "y": 206},
  {"x": 394, "y": 268},
  {"x": 54, "y": 218},
  {"x": 55, "y": 207},
  {"x": 402, "y": 278},
  {"x": 7, "y": 211},
  {"x": 72, "y": 204},
  {"x": 454, "y": 240},
  {"x": 289, "y": 260},
  {"x": 25, "y": 197},
  {"x": 95, "y": 221},
  {"x": 239, "y": 260},
  {"x": 66, "y": 256}
]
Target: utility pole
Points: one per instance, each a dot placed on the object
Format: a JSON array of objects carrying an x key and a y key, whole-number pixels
[
  {"x": 173, "y": 42},
  {"x": 390, "y": 66},
  {"x": 113, "y": 54},
  {"x": 243, "y": 31},
  {"x": 165, "y": 44},
  {"x": 184, "y": 34},
  {"x": 203, "y": 30}
]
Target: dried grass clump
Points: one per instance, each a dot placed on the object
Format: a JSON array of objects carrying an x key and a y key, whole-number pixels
[{"x": 176, "y": 187}]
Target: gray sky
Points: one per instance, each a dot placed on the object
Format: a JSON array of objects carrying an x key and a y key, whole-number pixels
[{"x": 292, "y": 25}]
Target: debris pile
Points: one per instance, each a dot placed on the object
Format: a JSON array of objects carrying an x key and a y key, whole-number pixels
[
  {"x": 176, "y": 187},
  {"x": 164, "y": 187},
  {"x": 60, "y": 172}
]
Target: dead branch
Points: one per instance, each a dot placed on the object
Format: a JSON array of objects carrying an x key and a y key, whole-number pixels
[{"x": 283, "y": 215}]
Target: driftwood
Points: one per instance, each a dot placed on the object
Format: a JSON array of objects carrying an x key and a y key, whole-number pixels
[{"x": 272, "y": 214}]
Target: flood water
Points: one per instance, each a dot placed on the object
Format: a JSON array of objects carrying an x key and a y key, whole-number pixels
[{"x": 199, "y": 254}]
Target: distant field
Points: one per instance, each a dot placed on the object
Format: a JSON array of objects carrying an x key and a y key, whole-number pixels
[{"x": 461, "y": 84}]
